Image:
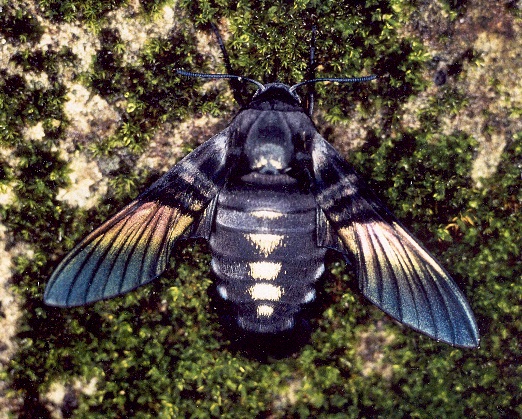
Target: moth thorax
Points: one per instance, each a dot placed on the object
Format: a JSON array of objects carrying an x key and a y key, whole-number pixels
[
  {"x": 269, "y": 147},
  {"x": 269, "y": 158}
]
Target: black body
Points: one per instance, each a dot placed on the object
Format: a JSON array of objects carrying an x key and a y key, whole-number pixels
[
  {"x": 263, "y": 239},
  {"x": 270, "y": 195}
]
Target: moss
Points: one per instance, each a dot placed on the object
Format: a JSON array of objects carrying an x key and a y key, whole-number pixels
[
  {"x": 160, "y": 351},
  {"x": 153, "y": 6},
  {"x": 18, "y": 25},
  {"x": 92, "y": 12}
]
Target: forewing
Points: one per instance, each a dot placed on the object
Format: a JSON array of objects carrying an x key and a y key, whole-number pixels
[
  {"x": 133, "y": 247},
  {"x": 395, "y": 272}
]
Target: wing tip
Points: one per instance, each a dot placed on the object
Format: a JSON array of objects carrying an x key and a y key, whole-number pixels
[
  {"x": 471, "y": 341},
  {"x": 466, "y": 337},
  {"x": 462, "y": 334},
  {"x": 56, "y": 300},
  {"x": 51, "y": 300}
]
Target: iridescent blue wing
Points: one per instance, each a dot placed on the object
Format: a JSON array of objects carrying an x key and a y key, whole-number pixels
[
  {"x": 133, "y": 247},
  {"x": 395, "y": 272}
]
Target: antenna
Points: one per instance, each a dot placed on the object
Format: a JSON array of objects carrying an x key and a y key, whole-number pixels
[
  {"x": 219, "y": 76},
  {"x": 334, "y": 79}
]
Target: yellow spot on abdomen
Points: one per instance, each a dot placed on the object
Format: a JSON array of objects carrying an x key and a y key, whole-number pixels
[
  {"x": 265, "y": 291},
  {"x": 264, "y": 270},
  {"x": 264, "y": 310},
  {"x": 265, "y": 243},
  {"x": 267, "y": 214}
]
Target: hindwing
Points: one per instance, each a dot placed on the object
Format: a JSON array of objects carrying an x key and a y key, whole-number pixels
[
  {"x": 133, "y": 247},
  {"x": 394, "y": 271}
]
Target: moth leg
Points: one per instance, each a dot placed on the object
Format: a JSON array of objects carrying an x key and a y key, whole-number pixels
[
  {"x": 310, "y": 74},
  {"x": 235, "y": 84}
]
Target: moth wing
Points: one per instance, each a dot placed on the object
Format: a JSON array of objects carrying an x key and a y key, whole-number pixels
[
  {"x": 133, "y": 247},
  {"x": 394, "y": 271}
]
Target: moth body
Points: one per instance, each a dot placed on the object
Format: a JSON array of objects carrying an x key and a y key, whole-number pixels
[{"x": 265, "y": 253}]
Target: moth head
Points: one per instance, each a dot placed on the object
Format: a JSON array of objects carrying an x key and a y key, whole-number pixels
[{"x": 277, "y": 91}]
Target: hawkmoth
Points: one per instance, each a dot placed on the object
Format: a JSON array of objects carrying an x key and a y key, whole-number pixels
[{"x": 271, "y": 196}]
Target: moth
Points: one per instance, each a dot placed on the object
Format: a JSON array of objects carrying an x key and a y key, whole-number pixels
[{"x": 271, "y": 196}]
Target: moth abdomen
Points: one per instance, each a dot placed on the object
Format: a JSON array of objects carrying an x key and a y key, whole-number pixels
[{"x": 264, "y": 250}]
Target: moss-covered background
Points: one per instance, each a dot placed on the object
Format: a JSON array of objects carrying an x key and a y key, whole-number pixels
[{"x": 91, "y": 112}]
